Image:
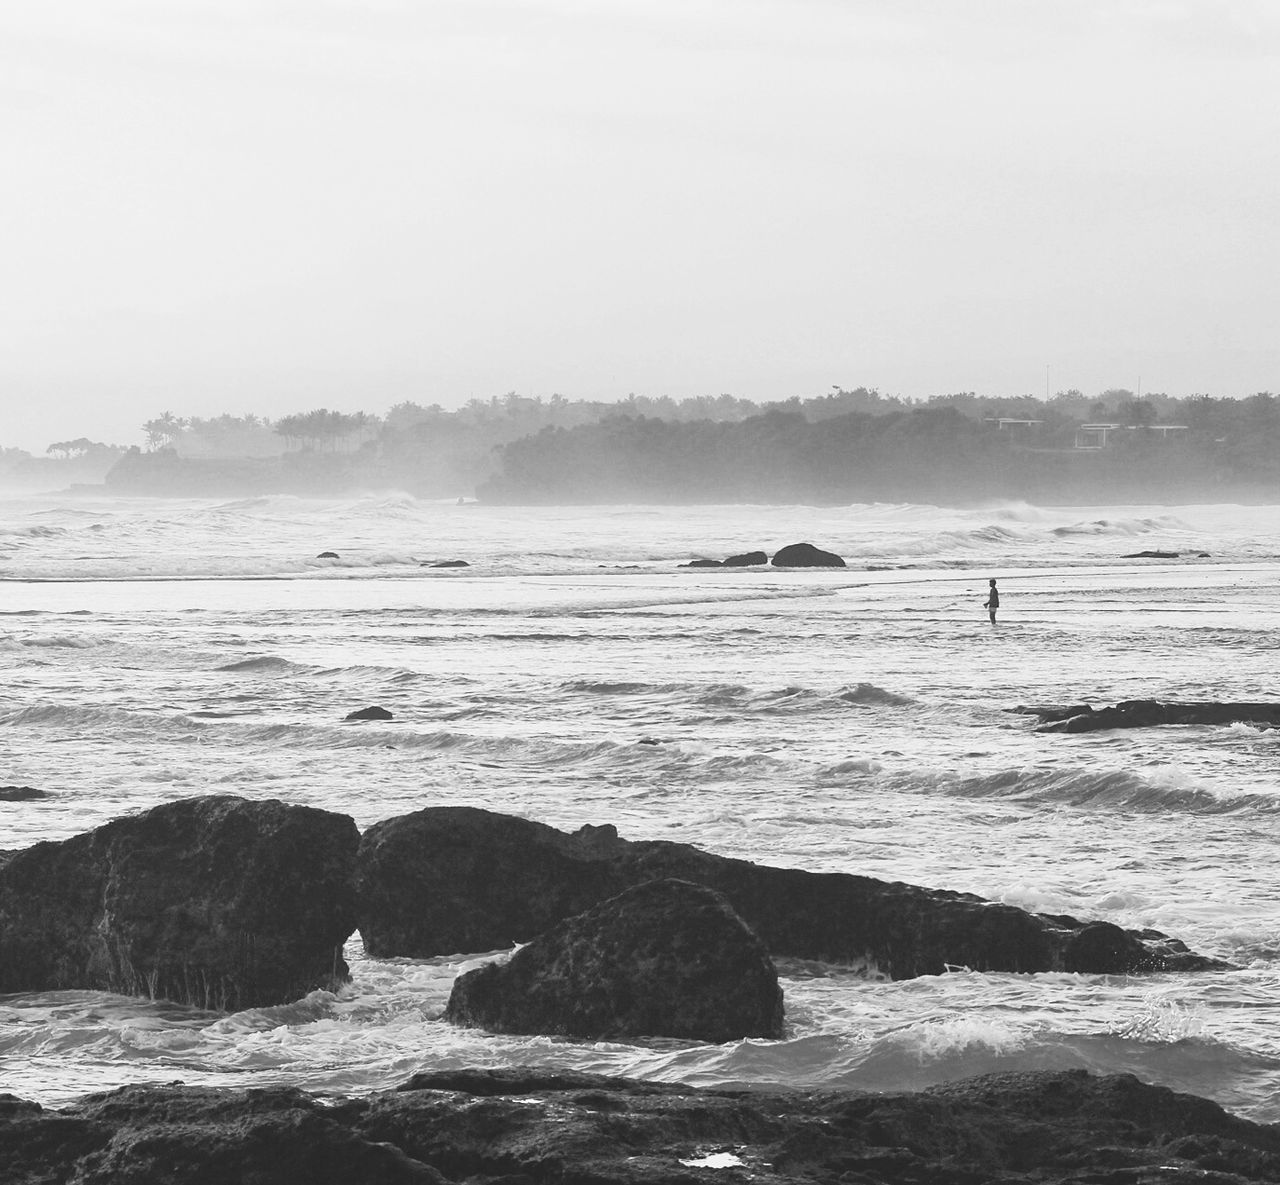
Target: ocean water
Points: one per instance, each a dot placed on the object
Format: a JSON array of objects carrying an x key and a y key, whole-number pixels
[{"x": 850, "y": 720}]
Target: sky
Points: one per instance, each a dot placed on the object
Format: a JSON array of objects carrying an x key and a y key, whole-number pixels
[{"x": 268, "y": 206}]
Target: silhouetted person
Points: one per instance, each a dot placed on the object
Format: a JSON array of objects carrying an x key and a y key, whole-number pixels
[{"x": 992, "y": 603}]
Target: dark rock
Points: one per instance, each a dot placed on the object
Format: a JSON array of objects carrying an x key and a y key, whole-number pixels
[
  {"x": 22, "y": 794},
  {"x": 447, "y": 880},
  {"x": 1099, "y": 947},
  {"x": 664, "y": 959},
  {"x": 373, "y": 713},
  {"x": 426, "y": 883},
  {"x": 327, "y": 555},
  {"x": 216, "y": 902},
  {"x": 539, "y": 1126},
  {"x": 805, "y": 555},
  {"x": 1146, "y": 713},
  {"x": 444, "y": 564},
  {"x": 746, "y": 560},
  {"x": 181, "y": 1135},
  {"x": 1151, "y": 555}
]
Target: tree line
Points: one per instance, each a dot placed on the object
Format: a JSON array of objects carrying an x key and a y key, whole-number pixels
[{"x": 842, "y": 444}]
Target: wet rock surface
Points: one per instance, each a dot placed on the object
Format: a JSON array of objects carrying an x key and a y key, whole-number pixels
[
  {"x": 1146, "y": 713},
  {"x": 216, "y": 902},
  {"x": 664, "y": 959},
  {"x": 534, "y": 1126},
  {"x": 447, "y": 880},
  {"x": 371, "y": 713}
]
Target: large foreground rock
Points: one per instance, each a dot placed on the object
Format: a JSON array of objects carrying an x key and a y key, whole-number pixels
[
  {"x": 446, "y": 880},
  {"x": 217, "y": 902},
  {"x": 547, "y": 1128},
  {"x": 665, "y": 959},
  {"x": 1149, "y": 713}
]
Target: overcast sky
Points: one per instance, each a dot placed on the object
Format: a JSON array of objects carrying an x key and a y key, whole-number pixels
[{"x": 268, "y": 206}]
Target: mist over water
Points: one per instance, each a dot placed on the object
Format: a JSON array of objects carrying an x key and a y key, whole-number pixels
[{"x": 851, "y": 720}]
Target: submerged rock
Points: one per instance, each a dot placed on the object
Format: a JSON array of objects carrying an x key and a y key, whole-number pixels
[
  {"x": 1146, "y": 713},
  {"x": 805, "y": 555},
  {"x": 664, "y": 959},
  {"x": 327, "y": 555},
  {"x": 1151, "y": 555},
  {"x": 536, "y": 1125},
  {"x": 444, "y": 564},
  {"x": 446, "y": 880},
  {"x": 216, "y": 902},
  {"x": 22, "y": 794},
  {"x": 372, "y": 713},
  {"x": 702, "y": 564}
]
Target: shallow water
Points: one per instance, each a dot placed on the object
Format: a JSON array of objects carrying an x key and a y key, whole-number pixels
[{"x": 844, "y": 720}]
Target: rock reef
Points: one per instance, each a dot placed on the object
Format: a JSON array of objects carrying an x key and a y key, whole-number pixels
[
  {"x": 224, "y": 903},
  {"x": 499, "y": 1127},
  {"x": 445, "y": 880},
  {"x": 1148, "y": 713}
]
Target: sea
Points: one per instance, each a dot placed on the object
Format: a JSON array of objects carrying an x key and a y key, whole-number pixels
[{"x": 859, "y": 719}]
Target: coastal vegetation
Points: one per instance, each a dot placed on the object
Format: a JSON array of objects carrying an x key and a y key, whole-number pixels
[{"x": 844, "y": 445}]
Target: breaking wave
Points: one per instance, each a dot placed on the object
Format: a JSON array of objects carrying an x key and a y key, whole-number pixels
[
  {"x": 1123, "y": 526},
  {"x": 1114, "y": 789}
]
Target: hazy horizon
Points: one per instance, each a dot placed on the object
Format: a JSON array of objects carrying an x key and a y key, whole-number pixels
[{"x": 259, "y": 207}]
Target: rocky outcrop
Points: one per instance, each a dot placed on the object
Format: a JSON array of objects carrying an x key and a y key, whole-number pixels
[
  {"x": 664, "y": 959},
  {"x": 327, "y": 555},
  {"x": 805, "y": 555},
  {"x": 1147, "y": 713},
  {"x": 217, "y": 902},
  {"x": 446, "y": 880},
  {"x": 370, "y": 713},
  {"x": 546, "y": 1127},
  {"x": 444, "y": 564},
  {"x": 749, "y": 559},
  {"x": 1151, "y": 555}
]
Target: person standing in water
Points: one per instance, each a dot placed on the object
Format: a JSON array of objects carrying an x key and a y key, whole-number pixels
[{"x": 992, "y": 603}]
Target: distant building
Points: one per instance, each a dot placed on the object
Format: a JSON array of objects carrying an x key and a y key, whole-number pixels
[
  {"x": 1095, "y": 436},
  {"x": 1007, "y": 424}
]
